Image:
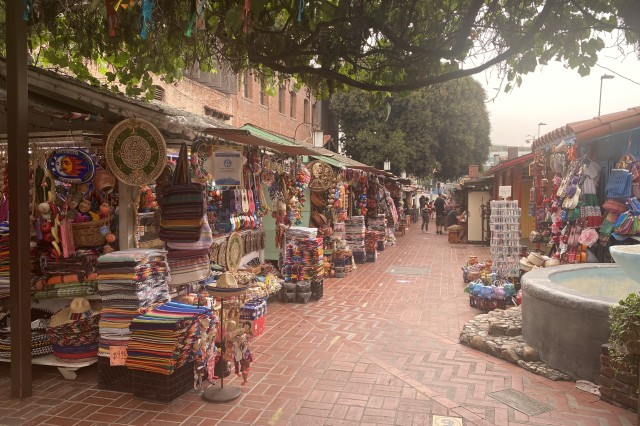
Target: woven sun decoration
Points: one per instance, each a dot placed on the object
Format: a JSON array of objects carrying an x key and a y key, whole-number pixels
[{"x": 136, "y": 152}]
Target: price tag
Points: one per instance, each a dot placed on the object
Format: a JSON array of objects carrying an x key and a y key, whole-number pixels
[{"x": 117, "y": 355}]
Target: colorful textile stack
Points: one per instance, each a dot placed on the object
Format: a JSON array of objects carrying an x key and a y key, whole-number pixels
[
  {"x": 73, "y": 332},
  {"x": 4, "y": 260},
  {"x": 130, "y": 282},
  {"x": 379, "y": 224},
  {"x": 304, "y": 257},
  {"x": 74, "y": 276},
  {"x": 189, "y": 261},
  {"x": 188, "y": 266},
  {"x": 162, "y": 339},
  {"x": 40, "y": 344},
  {"x": 370, "y": 241},
  {"x": 301, "y": 233},
  {"x": 355, "y": 229},
  {"x": 313, "y": 258}
]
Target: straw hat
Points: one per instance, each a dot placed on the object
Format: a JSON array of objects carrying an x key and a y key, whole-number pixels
[
  {"x": 78, "y": 309},
  {"x": 525, "y": 265},
  {"x": 536, "y": 259},
  {"x": 227, "y": 280}
]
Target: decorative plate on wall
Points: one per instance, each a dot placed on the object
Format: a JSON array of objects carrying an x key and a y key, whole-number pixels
[
  {"x": 70, "y": 165},
  {"x": 322, "y": 176},
  {"x": 136, "y": 152},
  {"x": 234, "y": 251}
]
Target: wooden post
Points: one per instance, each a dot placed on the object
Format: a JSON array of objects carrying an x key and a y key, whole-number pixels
[{"x": 18, "y": 146}]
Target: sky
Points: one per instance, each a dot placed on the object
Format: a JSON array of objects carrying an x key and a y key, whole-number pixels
[{"x": 557, "y": 96}]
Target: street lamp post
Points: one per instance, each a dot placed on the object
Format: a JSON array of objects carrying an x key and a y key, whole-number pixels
[
  {"x": 540, "y": 124},
  {"x": 603, "y": 77},
  {"x": 387, "y": 165}
]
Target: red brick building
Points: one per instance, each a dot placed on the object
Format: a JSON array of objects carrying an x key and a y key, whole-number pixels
[{"x": 241, "y": 99}]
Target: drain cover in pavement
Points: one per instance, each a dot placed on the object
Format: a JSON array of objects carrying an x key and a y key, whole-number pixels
[
  {"x": 446, "y": 421},
  {"x": 521, "y": 402},
  {"x": 407, "y": 270}
]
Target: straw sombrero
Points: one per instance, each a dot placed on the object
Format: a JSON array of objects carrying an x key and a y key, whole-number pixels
[
  {"x": 136, "y": 152},
  {"x": 79, "y": 309}
]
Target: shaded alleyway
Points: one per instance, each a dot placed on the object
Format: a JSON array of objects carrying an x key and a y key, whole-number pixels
[{"x": 381, "y": 347}]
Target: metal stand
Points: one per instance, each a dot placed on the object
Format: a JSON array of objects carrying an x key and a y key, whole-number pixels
[{"x": 221, "y": 394}]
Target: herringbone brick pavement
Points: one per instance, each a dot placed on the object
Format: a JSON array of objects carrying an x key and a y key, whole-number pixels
[{"x": 378, "y": 349}]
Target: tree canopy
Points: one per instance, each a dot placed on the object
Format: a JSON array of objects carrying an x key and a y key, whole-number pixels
[
  {"x": 444, "y": 127},
  {"x": 374, "y": 45}
]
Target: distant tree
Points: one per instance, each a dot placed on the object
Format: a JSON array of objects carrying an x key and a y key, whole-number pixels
[{"x": 444, "y": 127}]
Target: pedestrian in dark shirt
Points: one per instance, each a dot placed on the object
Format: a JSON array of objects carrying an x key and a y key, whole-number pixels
[
  {"x": 438, "y": 205},
  {"x": 425, "y": 213}
]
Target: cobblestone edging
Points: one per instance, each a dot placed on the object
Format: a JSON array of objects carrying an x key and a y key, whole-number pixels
[{"x": 499, "y": 333}]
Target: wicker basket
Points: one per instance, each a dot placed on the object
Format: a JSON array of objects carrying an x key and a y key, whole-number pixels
[{"x": 87, "y": 234}]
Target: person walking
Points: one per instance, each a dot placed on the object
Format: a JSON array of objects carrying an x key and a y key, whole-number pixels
[
  {"x": 425, "y": 213},
  {"x": 438, "y": 205}
]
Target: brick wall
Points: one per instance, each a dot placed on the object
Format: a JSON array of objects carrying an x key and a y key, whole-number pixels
[
  {"x": 193, "y": 96},
  {"x": 618, "y": 386}
]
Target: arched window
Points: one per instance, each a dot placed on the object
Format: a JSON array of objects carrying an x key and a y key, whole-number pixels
[
  {"x": 306, "y": 111},
  {"x": 282, "y": 96},
  {"x": 292, "y": 104}
]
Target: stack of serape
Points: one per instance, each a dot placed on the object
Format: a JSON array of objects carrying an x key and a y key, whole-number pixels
[
  {"x": 69, "y": 277},
  {"x": 162, "y": 339},
  {"x": 130, "y": 282}
]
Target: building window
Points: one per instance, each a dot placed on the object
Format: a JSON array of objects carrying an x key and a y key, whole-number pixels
[
  {"x": 306, "y": 110},
  {"x": 314, "y": 113},
  {"x": 292, "y": 104},
  {"x": 282, "y": 94},
  {"x": 158, "y": 93},
  {"x": 264, "y": 97},
  {"x": 246, "y": 84}
]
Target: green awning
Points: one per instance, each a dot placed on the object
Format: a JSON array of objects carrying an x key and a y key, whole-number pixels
[
  {"x": 263, "y": 134},
  {"x": 330, "y": 161}
]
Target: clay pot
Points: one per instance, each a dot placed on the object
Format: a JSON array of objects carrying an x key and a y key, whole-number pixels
[
  {"x": 84, "y": 206},
  {"x": 104, "y": 180}
]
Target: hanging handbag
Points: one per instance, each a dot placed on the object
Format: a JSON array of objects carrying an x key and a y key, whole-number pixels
[
  {"x": 182, "y": 205},
  {"x": 183, "y": 199}
]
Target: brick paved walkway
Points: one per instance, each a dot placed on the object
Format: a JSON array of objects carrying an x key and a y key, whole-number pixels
[{"x": 379, "y": 348}]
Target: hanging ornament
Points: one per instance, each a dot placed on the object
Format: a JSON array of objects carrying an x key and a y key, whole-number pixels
[
  {"x": 192, "y": 19},
  {"x": 27, "y": 9},
  {"x": 300, "y": 10},
  {"x": 245, "y": 15},
  {"x": 200, "y": 24},
  {"x": 112, "y": 17},
  {"x": 146, "y": 17}
]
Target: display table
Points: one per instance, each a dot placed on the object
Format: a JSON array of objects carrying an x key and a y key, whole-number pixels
[{"x": 67, "y": 369}]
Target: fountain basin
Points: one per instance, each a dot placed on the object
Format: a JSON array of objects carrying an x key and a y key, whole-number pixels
[
  {"x": 628, "y": 259},
  {"x": 565, "y": 314}
]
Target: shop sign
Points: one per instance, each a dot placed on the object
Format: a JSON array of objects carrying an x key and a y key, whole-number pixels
[
  {"x": 504, "y": 191},
  {"x": 227, "y": 167}
]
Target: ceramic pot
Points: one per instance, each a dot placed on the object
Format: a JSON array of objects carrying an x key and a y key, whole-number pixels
[{"x": 104, "y": 180}]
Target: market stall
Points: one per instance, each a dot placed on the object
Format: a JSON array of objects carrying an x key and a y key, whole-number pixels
[{"x": 585, "y": 187}]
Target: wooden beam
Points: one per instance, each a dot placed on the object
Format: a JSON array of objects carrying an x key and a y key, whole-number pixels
[{"x": 18, "y": 145}]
